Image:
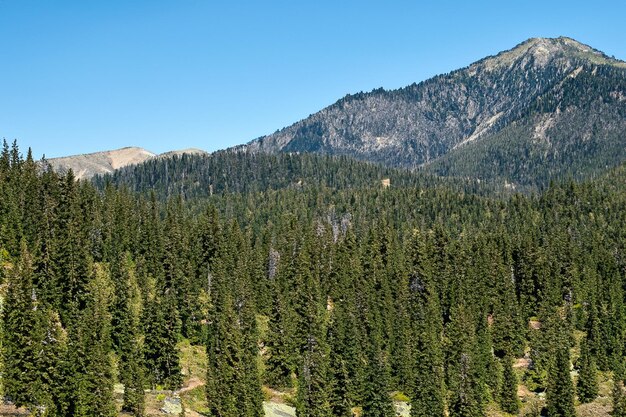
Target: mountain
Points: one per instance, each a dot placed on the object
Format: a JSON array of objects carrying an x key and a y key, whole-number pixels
[
  {"x": 87, "y": 165},
  {"x": 545, "y": 102}
]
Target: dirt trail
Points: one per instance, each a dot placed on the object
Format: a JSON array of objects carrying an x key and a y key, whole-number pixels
[
  {"x": 194, "y": 382},
  {"x": 191, "y": 413}
]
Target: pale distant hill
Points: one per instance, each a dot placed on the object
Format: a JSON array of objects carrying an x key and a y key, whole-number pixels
[{"x": 87, "y": 165}]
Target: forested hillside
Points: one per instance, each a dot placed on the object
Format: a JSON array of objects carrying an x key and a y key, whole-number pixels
[
  {"x": 322, "y": 289},
  {"x": 575, "y": 130},
  {"x": 194, "y": 177}
]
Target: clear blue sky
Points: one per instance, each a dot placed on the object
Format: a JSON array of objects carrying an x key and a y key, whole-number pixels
[{"x": 82, "y": 76}]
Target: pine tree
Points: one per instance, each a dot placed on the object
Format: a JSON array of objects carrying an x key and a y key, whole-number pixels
[
  {"x": 543, "y": 343},
  {"x": 347, "y": 329},
  {"x": 377, "y": 401},
  {"x": 428, "y": 397},
  {"x": 161, "y": 353},
  {"x": 280, "y": 357},
  {"x": 312, "y": 398},
  {"x": 614, "y": 322},
  {"x": 508, "y": 399},
  {"x": 594, "y": 337},
  {"x": 21, "y": 321},
  {"x": 233, "y": 381},
  {"x": 507, "y": 330},
  {"x": 89, "y": 370},
  {"x": 134, "y": 381},
  {"x": 464, "y": 384},
  {"x": 619, "y": 399},
  {"x": 464, "y": 402},
  {"x": 46, "y": 245},
  {"x": 126, "y": 314},
  {"x": 52, "y": 384},
  {"x": 30, "y": 206},
  {"x": 487, "y": 371},
  {"x": 251, "y": 395},
  {"x": 208, "y": 239},
  {"x": 11, "y": 206},
  {"x": 176, "y": 270},
  {"x": 375, "y": 261},
  {"x": 223, "y": 352},
  {"x": 428, "y": 393},
  {"x": 587, "y": 386},
  {"x": 73, "y": 259},
  {"x": 560, "y": 392},
  {"x": 121, "y": 311},
  {"x": 5, "y": 159},
  {"x": 339, "y": 384},
  {"x": 150, "y": 245}
]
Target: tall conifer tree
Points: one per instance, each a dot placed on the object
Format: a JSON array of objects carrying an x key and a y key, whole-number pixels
[
  {"x": 377, "y": 401},
  {"x": 21, "y": 322},
  {"x": 428, "y": 396},
  {"x": 466, "y": 394},
  {"x": 312, "y": 398},
  {"x": 587, "y": 385},
  {"x": 560, "y": 392},
  {"x": 509, "y": 402},
  {"x": 90, "y": 370},
  {"x": 126, "y": 315}
]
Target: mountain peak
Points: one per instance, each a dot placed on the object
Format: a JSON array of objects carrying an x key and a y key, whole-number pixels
[{"x": 543, "y": 51}]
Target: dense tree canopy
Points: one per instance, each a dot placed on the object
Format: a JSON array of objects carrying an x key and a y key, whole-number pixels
[{"x": 424, "y": 287}]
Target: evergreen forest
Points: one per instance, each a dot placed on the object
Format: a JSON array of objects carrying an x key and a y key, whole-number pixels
[{"x": 231, "y": 283}]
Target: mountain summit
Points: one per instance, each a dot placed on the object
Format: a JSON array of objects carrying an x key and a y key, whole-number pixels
[
  {"x": 544, "y": 51},
  {"x": 553, "y": 101}
]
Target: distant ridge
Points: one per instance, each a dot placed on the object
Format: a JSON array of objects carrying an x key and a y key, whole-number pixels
[
  {"x": 86, "y": 166},
  {"x": 188, "y": 151}
]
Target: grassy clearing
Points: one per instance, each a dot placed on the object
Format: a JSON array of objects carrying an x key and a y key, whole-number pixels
[
  {"x": 195, "y": 400},
  {"x": 192, "y": 360}
]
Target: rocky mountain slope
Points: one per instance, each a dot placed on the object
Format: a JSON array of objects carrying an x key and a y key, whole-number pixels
[
  {"x": 546, "y": 99},
  {"x": 87, "y": 165}
]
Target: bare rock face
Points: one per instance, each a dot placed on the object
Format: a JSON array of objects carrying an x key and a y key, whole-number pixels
[
  {"x": 419, "y": 124},
  {"x": 172, "y": 405}
]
